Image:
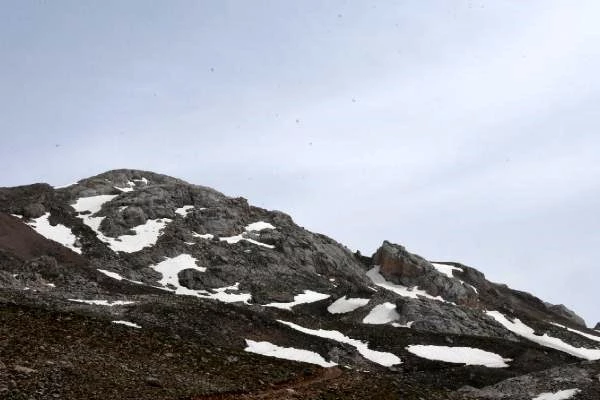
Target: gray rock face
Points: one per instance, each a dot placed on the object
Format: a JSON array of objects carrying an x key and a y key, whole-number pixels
[
  {"x": 597, "y": 327},
  {"x": 435, "y": 316},
  {"x": 297, "y": 260},
  {"x": 532, "y": 385},
  {"x": 567, "y": 314}
]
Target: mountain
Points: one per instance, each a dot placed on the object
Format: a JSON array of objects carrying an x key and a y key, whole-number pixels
[{"x": 136, "y": 285}]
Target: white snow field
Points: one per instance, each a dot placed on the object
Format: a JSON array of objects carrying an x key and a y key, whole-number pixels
[
  {"x": 58, "y": 233},
  {"x": 382, "y": 314},
  {"x": 303, "y": 298},
  {"x": 414, "y": 293},
  {"x": 587, "y": 335},
  {"x": 286, "y": 353},
  {"x": 379, "y": 357},
  {"x": 345, "y": 305},
  {"x": 459, "y": 355},
  {"x": 446, "y": 269},
  {"x": 525, "y": 331},
  {"x": 145, "y": 235},
  {"x": 127, "y": 323},
  {"x": 560, "y": 395},
  {"x": 104, "y": 302},
  {"x": 170, "y": 268}
]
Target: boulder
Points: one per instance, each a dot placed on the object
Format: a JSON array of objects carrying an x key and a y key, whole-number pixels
[
  {"x": 394, "y": 260},
  {"x": 34, "y": 210},
  {"x": 134, "y": 216}
]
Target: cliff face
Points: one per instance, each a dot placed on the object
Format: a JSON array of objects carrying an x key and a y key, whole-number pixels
[{"x": 175, "y": 290}]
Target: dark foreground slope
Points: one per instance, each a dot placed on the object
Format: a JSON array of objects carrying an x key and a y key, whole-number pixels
[{"x": 134, "y": 285}]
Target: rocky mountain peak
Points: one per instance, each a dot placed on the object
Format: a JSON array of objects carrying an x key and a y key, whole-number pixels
[{"x": 136, "y": 257}]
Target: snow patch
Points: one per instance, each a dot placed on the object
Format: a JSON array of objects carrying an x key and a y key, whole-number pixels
[
  {"x": 560, "y": 395},
  {"x": 379, "y": 357},
  {"x": 459, "y": 355},
  {"x": 58, "y": 233},
  {"x": 170, "y": 268},
  {"x": 253, "y": 227},
  {"x": 382, "y": 314},
  {"x": 125, "y": 189},
  {"x": 525, "y": 331},
  {"x": 407, "y": 325},
  {"x": 307, "y": 297},
  {"x": 183, "y": 211},
  {"x": 286, "y": 353},
  {"x": 403, "y": 291},
  {"x": 446, "y": 269},
  {"x": 240, "y": 237},
  {"x": 127, "y": 323},
  {"x": 93, "y": 204},
  {"x": 587, "y": 335},
  {"x": 145, "y": 235},
  {"x": 118, "y": 277},
  {"x": 259, "y": 226},
  {"x": 344, "y": 305},
  {"x": 130, "y": 187},
  {"x": 143, "y": 180},
  {"x": 64, "y": 186},
  {"x": 204, "y": 236},
  {"x": 113, "y": 275},
  {"x": 109, "y": 303}
]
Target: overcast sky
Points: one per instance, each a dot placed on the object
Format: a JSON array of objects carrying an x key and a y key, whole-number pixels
[{"x": 464, "y": 130}]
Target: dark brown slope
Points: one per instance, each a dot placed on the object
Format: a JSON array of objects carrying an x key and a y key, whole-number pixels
[{"x": 24, "y": 243}]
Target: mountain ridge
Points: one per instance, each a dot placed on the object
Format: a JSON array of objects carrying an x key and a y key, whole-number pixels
[{"x": 184, "y": 260}]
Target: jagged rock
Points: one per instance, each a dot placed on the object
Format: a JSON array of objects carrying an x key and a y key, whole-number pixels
[
  {"x": 405, "y": 267},
  {"x": 597, "y": 327}
]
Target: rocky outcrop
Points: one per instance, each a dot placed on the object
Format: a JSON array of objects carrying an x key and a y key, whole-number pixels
[
  {"x": 580, "y": 376},
  {"x": 564, "y": 312},
  {"x": 435, "y": 316},
  {"x": 400, "y": 266}
]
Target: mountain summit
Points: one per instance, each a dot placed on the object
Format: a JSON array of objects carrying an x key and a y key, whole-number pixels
[{"x": 132, "y": 284}]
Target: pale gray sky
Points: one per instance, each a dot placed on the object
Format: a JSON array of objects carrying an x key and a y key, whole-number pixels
[{"x": 465, "y": 130}]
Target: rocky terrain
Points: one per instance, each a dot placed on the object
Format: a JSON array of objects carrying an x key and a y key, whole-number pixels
[{"x": 135, "y": 285}]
